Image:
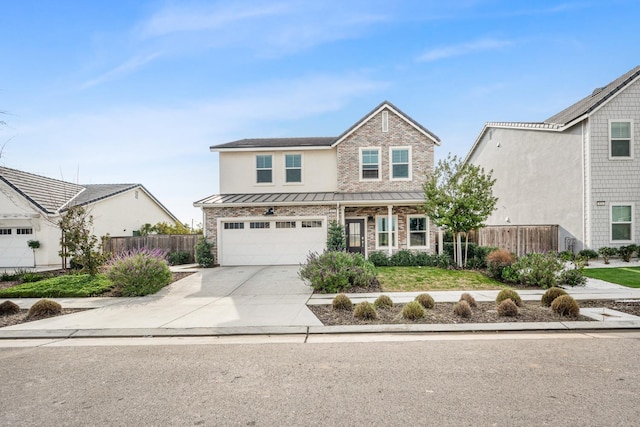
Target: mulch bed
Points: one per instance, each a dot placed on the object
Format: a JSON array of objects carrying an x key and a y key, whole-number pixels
[{"x": 486, "y": 312}]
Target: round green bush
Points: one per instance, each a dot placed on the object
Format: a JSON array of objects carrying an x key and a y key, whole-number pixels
[
  {"x": 551, "y": 294},
  {"x": 44, "y": 308},
  {"x": 426, "y": 301},
  {"x": 565, "y": 305},
  {"x": 9, "y": 307},
  {"x": 383, "y": 301},
  {"x": 509, "y": 294},
  {"x": 508, "y": 308},
  {"x": 413, "y": 311},
  {"x": 140, "y": 272},
  {"x": 365, "y": 311},
  {"x": 469, "y": 299},
  {"x": 462, "y": 309},
  {"x": 342, "y": 302}
]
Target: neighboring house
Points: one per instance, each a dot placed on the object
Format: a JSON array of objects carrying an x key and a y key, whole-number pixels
[
  {"x": 31, "y": 207},
  {"x": 579, "y": 169},
  {"x": 278, "y": 195}
]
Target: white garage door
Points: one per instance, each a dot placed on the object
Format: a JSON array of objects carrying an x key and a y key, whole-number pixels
[
  {"x": 281, "y": 241},
  {"x": 14, "y": 251}
]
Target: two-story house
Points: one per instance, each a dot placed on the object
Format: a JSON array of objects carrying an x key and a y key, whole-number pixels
[
  {"x": 278, "y": 195},
  {"x": 579, "y": 169}
]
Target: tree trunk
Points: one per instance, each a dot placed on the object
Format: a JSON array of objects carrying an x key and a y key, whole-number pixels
[
  {"x": 466, "y": 246},
  {"x": 459, "y": 248}
]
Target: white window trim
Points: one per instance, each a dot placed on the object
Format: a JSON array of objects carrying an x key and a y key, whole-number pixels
[
  {"x": 255, "y": 163},
  {"x": 391, "y": 178},
  {"x": 631, "y": 142},
  {"x": 633, "y": 213},
  {"x": 379, "y": 164},
  {"x": 284, "y": 163},
  {"x": 385, "y": 121},
  {"x": 393, "y": 231},
  {"x": 426, "y": 232}
]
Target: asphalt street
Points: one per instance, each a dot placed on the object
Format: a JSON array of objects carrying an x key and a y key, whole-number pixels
[{"x": 568, "y": 379}]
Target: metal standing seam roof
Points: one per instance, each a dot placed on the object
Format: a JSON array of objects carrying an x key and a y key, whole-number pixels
[{"x": 310, "y": 198}]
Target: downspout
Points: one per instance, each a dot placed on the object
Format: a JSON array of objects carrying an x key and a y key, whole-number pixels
[{"x": 390, "y": 228}]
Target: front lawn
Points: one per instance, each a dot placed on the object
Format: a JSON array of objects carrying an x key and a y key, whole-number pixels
[
  {"x": 416, "y": 279},
  {"x": 625, "y": 276},
  {"x": 72, "y": 285}
]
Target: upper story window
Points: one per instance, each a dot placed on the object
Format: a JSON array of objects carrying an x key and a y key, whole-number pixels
[
  {"x": 293, "y": 168},
  {"x": 620, "y": 133},
  {"x": 400, "y": 163},
  {"x": 264, "y": 169},
  {"x": 370, "y": 164},
  {"x": 621, "y": 222}
]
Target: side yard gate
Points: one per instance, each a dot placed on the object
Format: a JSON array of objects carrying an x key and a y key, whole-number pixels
[
  {"x": 168, "y": 242},
  {"x": 520, "y": 239}
]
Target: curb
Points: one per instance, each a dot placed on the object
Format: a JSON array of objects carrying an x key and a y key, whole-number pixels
[{"x": 583, "y": 326}]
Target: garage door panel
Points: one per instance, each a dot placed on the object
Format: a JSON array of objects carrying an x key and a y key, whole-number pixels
[{"x": 270, "y": 246}]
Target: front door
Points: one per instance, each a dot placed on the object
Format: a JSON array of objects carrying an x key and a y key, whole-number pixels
[{"x": 354, "y": 229}]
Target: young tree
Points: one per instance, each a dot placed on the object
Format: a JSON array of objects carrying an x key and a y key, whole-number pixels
[
  {"x": 336, "y": 240},
  {"x": 77, "y": 242},
  {"x": 459, "y": 197}
]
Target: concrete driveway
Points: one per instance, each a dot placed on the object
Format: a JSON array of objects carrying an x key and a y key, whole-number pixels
[{"x": 252, "y": 296}]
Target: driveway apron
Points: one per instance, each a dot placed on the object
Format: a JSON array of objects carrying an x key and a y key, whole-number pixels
[{"x": 218, "y": 297}]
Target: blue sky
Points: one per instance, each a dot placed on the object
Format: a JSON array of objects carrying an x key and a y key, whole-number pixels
[{"x": 137, "y": 91}]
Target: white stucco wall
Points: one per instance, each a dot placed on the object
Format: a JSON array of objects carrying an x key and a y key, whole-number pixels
[
  {"x": 238, "y": 172},
  {"x": 613, "y": 181},
  {"x": 539, "y": 178},
  {"x": 125, "y": 213}
]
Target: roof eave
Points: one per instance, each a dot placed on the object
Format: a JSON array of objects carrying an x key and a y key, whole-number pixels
[{"x": 215, "y": 149}]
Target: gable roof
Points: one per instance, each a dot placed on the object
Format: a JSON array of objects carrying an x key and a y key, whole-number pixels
[
  {"x": 53, "y": 196},
  {"x": 320, "y": 141},
  {"x": 398, "y": 112},
  {"x": 591, "y": 102},
  {"x": 570, "y": 115}
]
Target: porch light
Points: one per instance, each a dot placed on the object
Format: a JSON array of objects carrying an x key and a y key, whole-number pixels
[{"x": 269, "y": 212}]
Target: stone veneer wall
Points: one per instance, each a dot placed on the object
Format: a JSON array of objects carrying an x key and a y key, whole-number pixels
[{"x": 400, "y": 133}]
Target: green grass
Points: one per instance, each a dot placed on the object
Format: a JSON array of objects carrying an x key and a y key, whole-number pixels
[
  {"x": 73, "y": 285},
  {"x": 415, "y": 279},
  {"x": 625, "y": 276}
]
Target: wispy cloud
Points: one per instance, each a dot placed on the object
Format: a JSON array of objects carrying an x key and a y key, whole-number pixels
[
  {"x": 125, "y": 68},
  {"x": 481, "y": 45}
]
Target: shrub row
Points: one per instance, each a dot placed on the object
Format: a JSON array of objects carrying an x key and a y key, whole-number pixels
[{"x": 406, "y": 258}]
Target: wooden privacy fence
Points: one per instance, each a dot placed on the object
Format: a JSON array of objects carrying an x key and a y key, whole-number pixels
[
  {"x": 168, "y": 242},
  {"x": 520, "y": 239}
]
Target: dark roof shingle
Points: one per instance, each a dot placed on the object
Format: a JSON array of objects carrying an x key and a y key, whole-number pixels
[{"x": 277, "y": 142}]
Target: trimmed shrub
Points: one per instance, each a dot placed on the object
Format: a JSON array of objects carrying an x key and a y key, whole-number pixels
[
  {"x": 365, "y": 311},
  {"x": 550, "y": 295},
  {"x": 334, "y": 271},
  {"x": 567, "y": 256},
  {"x": 572, "y": 277},
  {"x": 179, "y": 258},
  {"x": 342, "y": 302},
  {"x": 413, "y": 311},
  {"x": 588, "y": 254},
  {"x": 379, "y": 259},
  {"x": 44, "y": 308},
  {"x": 403, "y": 258},
  {"x": 204, "y": 257},
  {"x": 383, "y": 301},
  {"x": 469, "y": 299},
  {"x": 606, "y": 253},
  {"x": 508, "y": 308},
  {"x": 479, "y": 258},
  {"x": 497, "y": 261},
  {"x": 462, "y": 309},
  {"x": 509, "y": 294},
  {"x": 139, "y": 272},
  {"x": 565, "y": 305},
  {"x": 626, "y": 252},
  {"x": 9, "y": 307},
  {"x": 539, "y": 270},
  {"x": 426, "y": 301}
]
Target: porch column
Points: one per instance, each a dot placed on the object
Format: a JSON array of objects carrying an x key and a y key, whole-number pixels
[
  {"x": 440, "y": 241},
  {"x": 390, "y": 228},
  {"x": 342, "y": 218}
]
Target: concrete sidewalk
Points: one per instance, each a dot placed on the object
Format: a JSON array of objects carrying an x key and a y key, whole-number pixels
[{"x": 267, "y": 300}]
